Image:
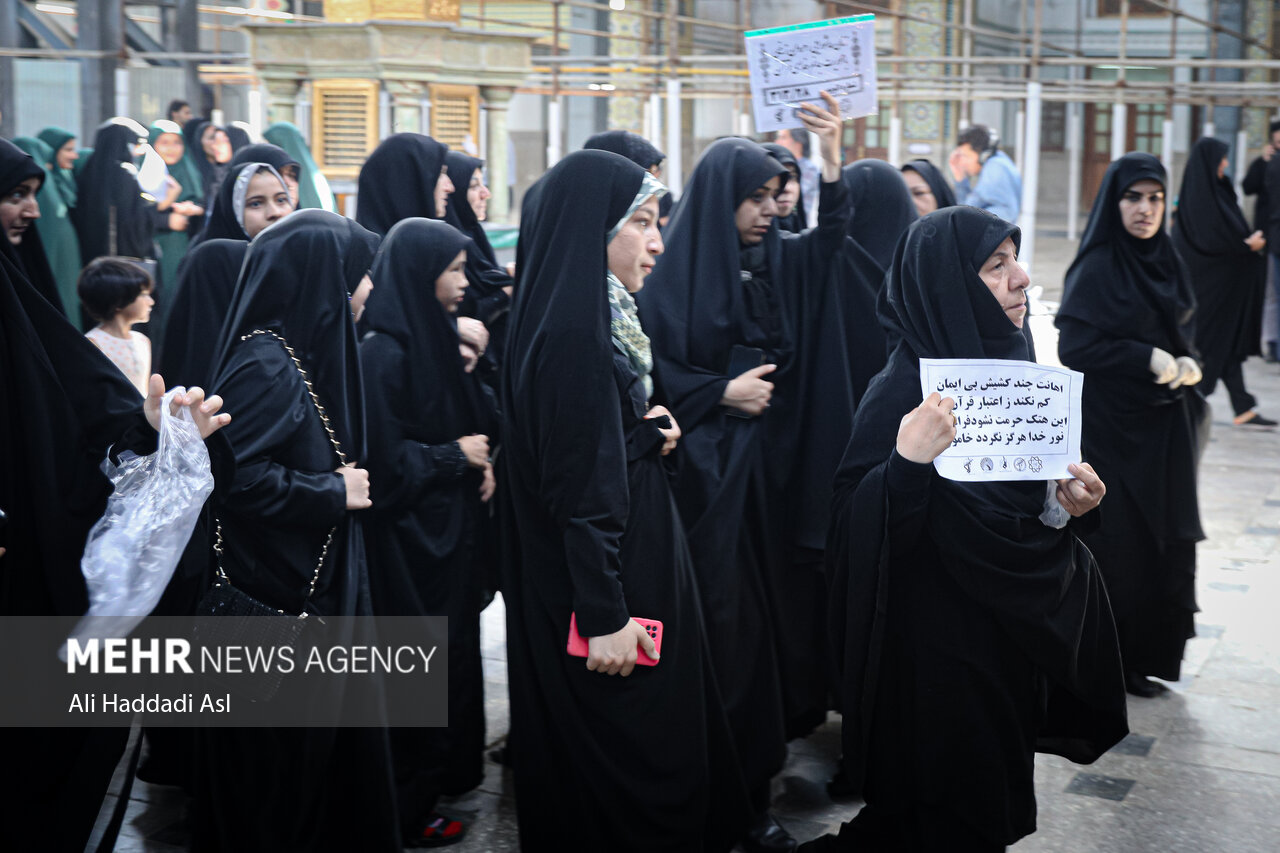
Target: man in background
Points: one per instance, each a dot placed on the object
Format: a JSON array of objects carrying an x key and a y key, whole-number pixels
[
  {"x": 179, "y": 112},
  {"x": 985, "y": 176}
]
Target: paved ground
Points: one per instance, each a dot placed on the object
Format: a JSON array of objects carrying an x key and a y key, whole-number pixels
[{"x": 1199, "y": 774}]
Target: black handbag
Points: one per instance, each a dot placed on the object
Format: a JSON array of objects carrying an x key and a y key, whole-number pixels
[{"x": 244, "y": 620}]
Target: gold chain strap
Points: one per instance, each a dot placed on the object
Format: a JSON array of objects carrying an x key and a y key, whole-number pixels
[{"x": 333, "y": 439}]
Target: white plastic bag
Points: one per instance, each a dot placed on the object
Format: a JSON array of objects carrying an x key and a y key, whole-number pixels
[
  {"x": 1055, "y": 515},
  {"x": 133, "y": 549}
]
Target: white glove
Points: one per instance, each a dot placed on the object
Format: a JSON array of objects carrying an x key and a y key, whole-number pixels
[
  {"x": 1164, "y": 366},
  {"x": 1188, "y": 372}
]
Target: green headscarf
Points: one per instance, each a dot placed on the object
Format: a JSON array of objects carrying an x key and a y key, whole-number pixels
[
  {"x": 173, "y": 244},
  {"x": 313, "y": 188},
  {"x": 57, "y": 233},
  {"x": 55, "y": 138}
]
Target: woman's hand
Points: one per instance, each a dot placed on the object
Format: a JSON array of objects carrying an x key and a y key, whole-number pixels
[
  {"x": 203, "y": 412},
  {"x": 1082, "y": 494},
  {"x": 750, "y": 392},
  {"x": 357, "y": 482},
  {"x": 1256, "y": 241},
  {"x": 672, "y": 435},
  {"x": 616, "y": 653},
  {"x": 177, "y": 222},
  {"x": 473, "y": 332},
  {"x": 1163, "y": 365},
  {"x": 828, "y": 125},
  {"x": 476, "y": 447},
  {"x": 927, "y": 430},
  {"x": 488, "y": 485},
  {"x": 1188, "y": 372},
  {"x": 470, "y": 358}
]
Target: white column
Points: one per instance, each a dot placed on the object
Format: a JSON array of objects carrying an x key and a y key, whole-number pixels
[
  {"x": 555, "y": 132},
  {"x": 1119, "y": 136},
  {"x": 655, "y": 118},
  {"x": 1209, "y": 129},
  {"x": 1166, "y": 147},
  {"x": 1075, "y": 154},
  {"x": 122, "y": 92},
  {"x": 895, "y": 139},
  {"x": 674, "y": 169},
  {"x": 1020, "y": 139},
  {"x": 256, "y": 112},
  {"x": 1242, "y": 162},
  {"x": 1030, "y": 174}
]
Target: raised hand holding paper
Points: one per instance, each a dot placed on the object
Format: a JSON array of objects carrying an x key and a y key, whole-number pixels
[
  {"x": 1015, "y": 420},
  {"x": 790, "y": 65}
]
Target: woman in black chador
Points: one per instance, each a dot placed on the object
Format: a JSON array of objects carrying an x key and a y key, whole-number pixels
[
  {"x": 430, "y": 427},
  {"x": 489, "y": 287},
  {"x": 113, "y": 217},
  {"x": 297, "y": 483},
  {"x": 968, "y": 632},
  {"x": 21, "y": 177},
  {"x": 1227, "y": 273},
  {"x": 252, "y": 196},
  {"x": 791, "y": 216},
  {"x": 638, "y": 150},
  {"x": 201, "y": 298},
  {"x": 882, "y": 207},
  {"x": 733, "y": 309},
  {"x": 404, "y": 177},
  {"x": 1126, "y": 323},
  {"x": 929, "y": 189},
  {"x": 63, "y": 405},
  {"x": 642, "y": 762}
]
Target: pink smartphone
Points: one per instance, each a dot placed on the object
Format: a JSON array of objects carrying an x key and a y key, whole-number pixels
[{"x": 578, "y": 644}]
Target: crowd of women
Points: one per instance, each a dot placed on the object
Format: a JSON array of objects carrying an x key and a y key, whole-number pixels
[{"x": 714, "y": 424}]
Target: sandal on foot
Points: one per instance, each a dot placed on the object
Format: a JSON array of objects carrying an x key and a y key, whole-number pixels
[
  {"x": 440, "y": 831},
  {"x": 1252, "y": 418}
]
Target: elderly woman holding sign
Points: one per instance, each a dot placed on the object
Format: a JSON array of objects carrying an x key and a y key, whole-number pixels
[{"x": 968, "y": 633}]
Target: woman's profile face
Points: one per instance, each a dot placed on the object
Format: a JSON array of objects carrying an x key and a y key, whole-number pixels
[
  {"x": 1223, "y": 166},
  {"x": 756, "y": 212},
  {"x": 921, "y": 192},
  {"x": 1142, "y": 208},
  {"x": 634, "y": 250},
  {"x": 478, "y": 195},
  {"x": 789, "y": 194},
  {"x": 444, "y": 188},
  {"x": 216, "y": 144},
  {"x": 67, "y": 155},
  {"x": 1007, "y": 281},
  {"x": 451, "y": 286}
]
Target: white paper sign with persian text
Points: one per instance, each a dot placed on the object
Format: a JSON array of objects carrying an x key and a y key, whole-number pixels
[
  {"x": 791, "y": 65},
  {"x": 1016, "y": 420}
]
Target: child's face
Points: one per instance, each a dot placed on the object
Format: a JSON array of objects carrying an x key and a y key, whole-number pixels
[{"x": 139, "y": 311}]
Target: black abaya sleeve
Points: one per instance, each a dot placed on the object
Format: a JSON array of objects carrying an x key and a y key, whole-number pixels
[
  {"x": 401, "y": 471},
  {"x": 823, "y": 244},
  {"x": 593, "y": 532},
  {"x": 1088, "y": 349},
  {"x": 280, "y": 412}
]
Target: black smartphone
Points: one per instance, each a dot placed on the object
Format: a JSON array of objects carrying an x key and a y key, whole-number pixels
[{"x": 741, "y": 359}]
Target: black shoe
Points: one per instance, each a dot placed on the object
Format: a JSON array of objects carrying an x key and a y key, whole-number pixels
[
  {"x": 766, "y": 835},
  {"x": 1253, "y": 419},
  {"x": 1140, "y": 685}
]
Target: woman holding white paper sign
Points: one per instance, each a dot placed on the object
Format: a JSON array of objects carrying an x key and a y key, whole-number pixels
[
  {"x": 1126, "y": 323},
  {"x": 967, "y": 632}
]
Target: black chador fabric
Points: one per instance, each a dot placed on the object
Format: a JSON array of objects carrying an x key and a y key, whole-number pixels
[
  {"x": 329, "y": 789},
  {"x": 882, "y": 207},
  {"x": 484, "y": 299},
  {"x": 263, "y": 152},
  {"x": 592, "y": 530},
  {"x": 221, "y": 221},
  {"x": 796, "y": 221},
  {"x": 428, "y": 524},
  {"x": 968, "y": 635},
  {"x": 201, "y": 298},
  {"x": 62, "y": 404},
  {"x": 633, "y": 146},
  {"x": 1227, "y": 276},
  {"x": 28, "y": 256},
  {"x": 942, "y": 192},
  {"x": 1123, "y": 296},
  {"x": 112, "y": 215},
  {"x": 398, "y": 181},
  {"x": 737, "y": 479},
  {"x": 239, "y": 138}
]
